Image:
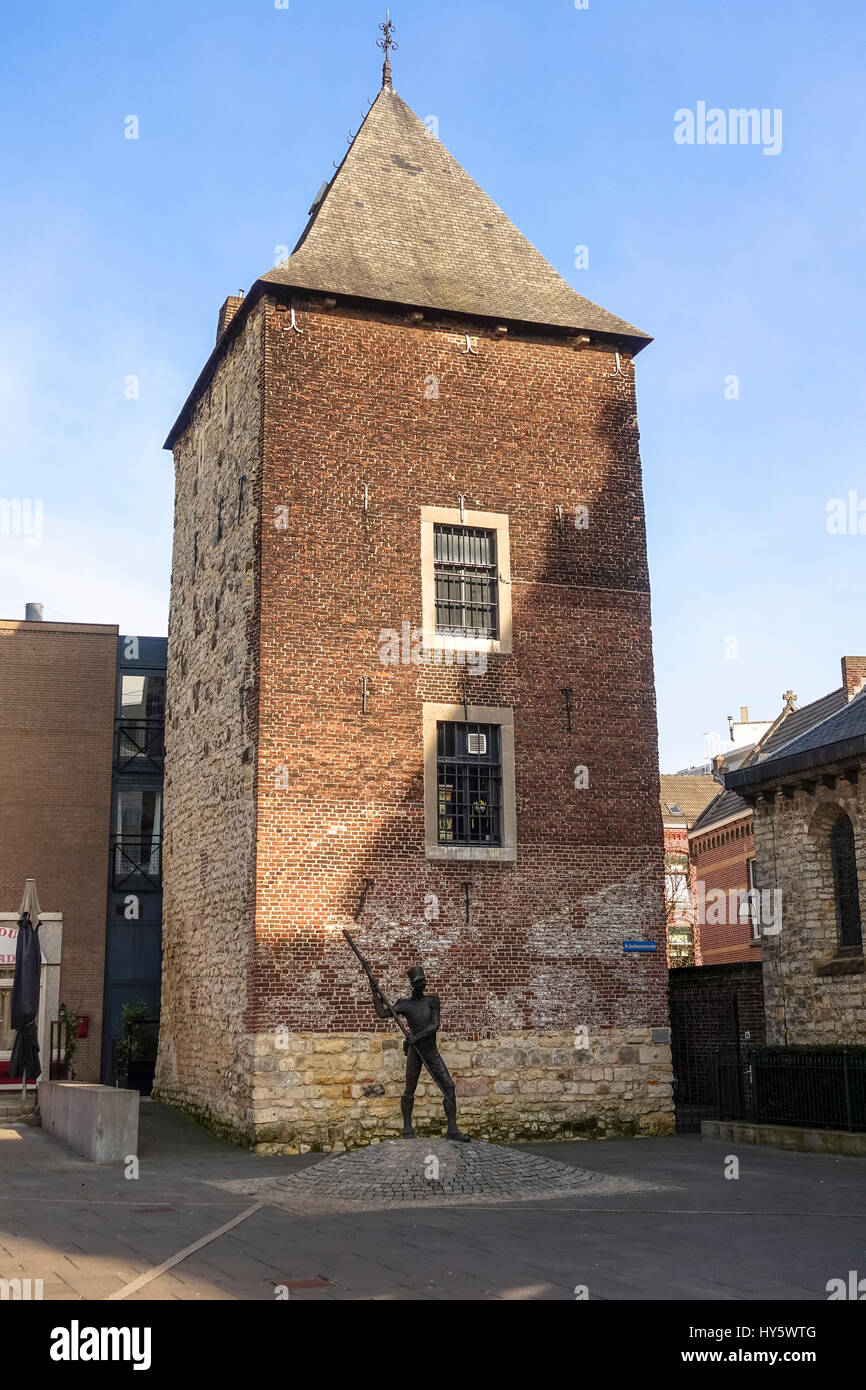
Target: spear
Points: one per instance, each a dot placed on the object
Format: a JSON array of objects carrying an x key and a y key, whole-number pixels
[{"x": 374, "y": 985}]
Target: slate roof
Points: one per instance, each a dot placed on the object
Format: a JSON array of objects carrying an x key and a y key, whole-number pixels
[
  {"x": 799, "y": 720},
  {"x": 840, "y": 734},
  {"x": 401, "y": 221},
  {"x": 723, "y": 806},
  {"x": 691, "y": 793}
]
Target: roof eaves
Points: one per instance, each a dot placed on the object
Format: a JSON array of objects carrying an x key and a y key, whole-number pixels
[
  {"x": 707, "y": 827},
  {"x": 773, "y": 768},
  {"x": 205, "y": 376}
]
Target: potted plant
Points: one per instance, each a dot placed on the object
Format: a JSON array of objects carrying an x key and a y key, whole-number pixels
[
  {"x": 69, "y": 1025},
  {"x": 134, "y": 1049}
]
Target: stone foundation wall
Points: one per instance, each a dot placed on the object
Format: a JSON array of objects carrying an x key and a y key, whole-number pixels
[{"x": 314, "y": 1091}]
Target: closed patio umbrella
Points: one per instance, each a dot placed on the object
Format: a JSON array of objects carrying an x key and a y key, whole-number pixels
[{"x": 24, "y": 1061}]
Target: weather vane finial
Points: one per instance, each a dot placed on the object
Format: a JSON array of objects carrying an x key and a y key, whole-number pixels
[{"x": 386, "y": 44}]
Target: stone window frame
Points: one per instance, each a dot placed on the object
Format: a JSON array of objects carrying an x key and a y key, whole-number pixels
[
  {"x": 838, "y": 960},
  {"x": 851, "y": 948},
  {"x": 434, "y": 714},
  {"x": 488, "y": 521}
]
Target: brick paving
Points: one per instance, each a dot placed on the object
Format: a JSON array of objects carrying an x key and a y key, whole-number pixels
[
  {"x": 405, "y": 1172},
  {"x": 676, "y": 1229}
]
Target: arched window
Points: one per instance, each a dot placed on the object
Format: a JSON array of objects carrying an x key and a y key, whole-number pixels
[{"x": 845, "y": 885}]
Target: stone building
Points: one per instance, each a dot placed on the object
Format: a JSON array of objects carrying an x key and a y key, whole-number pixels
[
  {"x": 809, "y": 803},
  {"x": 722, "y": 841},
  {"x": 410, "y": 685}
]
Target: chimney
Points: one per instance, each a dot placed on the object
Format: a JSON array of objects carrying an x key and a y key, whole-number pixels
[
  {"x": 228, "y": 311},
  {"x": 853, "y": 675},
  {"x": 744, "y": 714},
  {"x": 720, "y": 767},
  {"x": 33, "y": 613}
]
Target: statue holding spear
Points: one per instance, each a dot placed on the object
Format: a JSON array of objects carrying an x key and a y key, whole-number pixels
[{"x": 419, "y": 1042}]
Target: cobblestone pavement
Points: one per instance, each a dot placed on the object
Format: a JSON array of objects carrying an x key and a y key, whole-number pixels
[
  {"x": 401, "y": 1172},
  {"x": 682, "y": 1230}
]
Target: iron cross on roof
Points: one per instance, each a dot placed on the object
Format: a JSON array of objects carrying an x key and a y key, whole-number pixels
[{"x": 386, "y": 44}]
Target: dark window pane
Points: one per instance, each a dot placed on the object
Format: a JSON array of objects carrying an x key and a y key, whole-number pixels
[
  {"x": 844, "y": 861},
  {"x": 469, "y": 775},
  {"x": 466, "y": 578}
]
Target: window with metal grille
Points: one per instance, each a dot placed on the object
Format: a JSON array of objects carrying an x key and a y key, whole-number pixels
[
  {"x": 844, "y": 859},
  {"x": 469, "y": 783},
  {"x": 465, "y": 573}
]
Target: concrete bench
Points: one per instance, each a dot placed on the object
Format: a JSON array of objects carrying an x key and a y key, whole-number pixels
[{"x": 98, "y": 1122}]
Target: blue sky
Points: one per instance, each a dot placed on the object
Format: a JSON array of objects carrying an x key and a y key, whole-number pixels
[{"x": 117, "y": 254}]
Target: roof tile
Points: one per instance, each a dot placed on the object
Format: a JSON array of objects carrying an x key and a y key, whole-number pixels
[{"x": 401, "y": 221}]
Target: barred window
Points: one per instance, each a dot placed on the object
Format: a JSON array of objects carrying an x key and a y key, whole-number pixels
[
  {"x": 844, "y": 859},
  {"x": 465, "y": 573},
  {"x": 469, "y": 783}
]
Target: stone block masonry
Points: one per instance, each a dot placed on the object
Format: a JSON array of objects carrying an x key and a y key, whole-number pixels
[
  {"x": 209, "y": 844},
  {"x": 333, "y": 1091},
  {"x": 814, "y": 994}
]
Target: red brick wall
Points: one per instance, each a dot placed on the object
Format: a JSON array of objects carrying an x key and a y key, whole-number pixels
[
  {"x": 743, "y": 981},
  {"x": 56, "y": 742},
  {"x": 524, "y": 427},
  {"x": 720, "y": 858}
]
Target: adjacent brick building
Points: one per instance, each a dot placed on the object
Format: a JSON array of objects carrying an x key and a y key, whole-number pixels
[
  {"x": 410, "y": 687},
  {"x": 81, "y": 728},
  {"x": 722, "y": 850},
  {"x": 683, "y": 797},
  {"x": 56, "y": 735}
]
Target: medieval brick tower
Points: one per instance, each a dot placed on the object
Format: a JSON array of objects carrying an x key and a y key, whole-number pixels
[{"x": 410, "y": 682}]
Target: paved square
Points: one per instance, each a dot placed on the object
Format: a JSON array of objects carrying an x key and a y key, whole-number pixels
[{"x": 669, "y": 1226}]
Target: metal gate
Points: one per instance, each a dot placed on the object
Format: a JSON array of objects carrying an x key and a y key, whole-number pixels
[{"x": 702, "y": 1021}]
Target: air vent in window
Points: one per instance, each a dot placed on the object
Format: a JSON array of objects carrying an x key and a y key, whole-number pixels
[{"x": 477, "y": 743}]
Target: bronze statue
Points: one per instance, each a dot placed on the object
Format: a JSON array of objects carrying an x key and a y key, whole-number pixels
[{"x": 422, "y": 1013}]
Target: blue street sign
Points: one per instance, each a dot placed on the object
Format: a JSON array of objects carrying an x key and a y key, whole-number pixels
[{"x": 639, "y": 946}]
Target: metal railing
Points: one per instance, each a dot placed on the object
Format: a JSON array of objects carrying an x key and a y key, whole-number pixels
[
  {"x": 812, "y": 1089},
  {"x": 139, "y": 743},
  {"x": 136, "y": 861}
]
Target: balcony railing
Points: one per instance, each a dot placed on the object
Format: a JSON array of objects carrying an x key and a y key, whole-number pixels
[
  {"x": 136, "y": 862},
  {"x": 139, "y": 745}
]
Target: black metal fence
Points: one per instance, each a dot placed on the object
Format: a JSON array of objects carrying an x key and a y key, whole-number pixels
[
  {"x": 702, "y": 1020},
  {"x": 813, "y": 1089}
]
